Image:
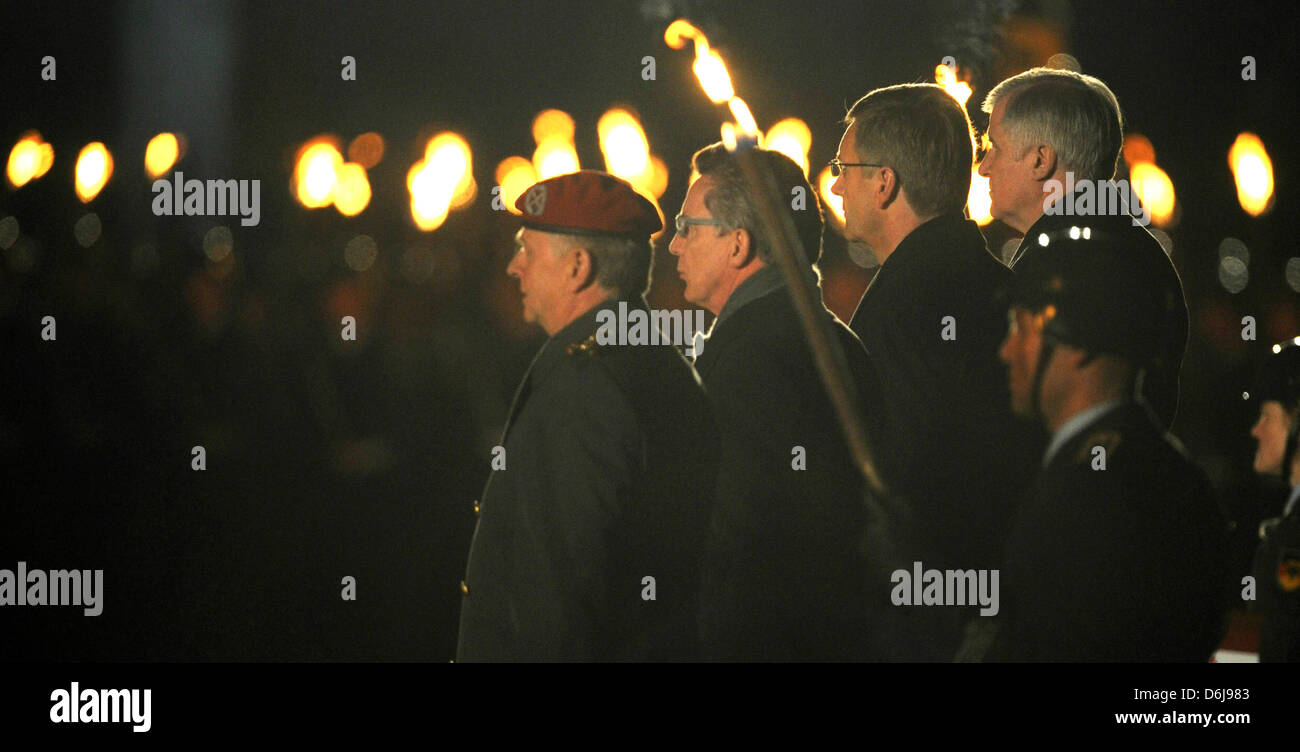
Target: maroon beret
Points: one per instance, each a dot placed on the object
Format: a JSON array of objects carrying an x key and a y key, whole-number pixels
[{"x": 588, "y": 202}]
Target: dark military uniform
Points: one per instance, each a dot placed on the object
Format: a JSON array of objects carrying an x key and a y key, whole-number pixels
[
  {"x": 1277, "y": 560},
  {"x": 1277, "y": 583},
  {"x": 1125, "y": 563},
  {"x": 1120, "y": 553},
  {"x": 611, "y": 456},
  {"x": 787, "y": 576},
  {"x": 953, "y": 449},
  {"x": 1160, "y": 384}
]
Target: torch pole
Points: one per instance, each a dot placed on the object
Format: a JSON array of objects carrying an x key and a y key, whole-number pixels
[{"x": 827, "y": 353}]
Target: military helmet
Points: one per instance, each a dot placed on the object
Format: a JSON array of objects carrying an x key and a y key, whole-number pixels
[
  {"x": 1279, "y": 376},
  {"x": 1099, "y": 292}
]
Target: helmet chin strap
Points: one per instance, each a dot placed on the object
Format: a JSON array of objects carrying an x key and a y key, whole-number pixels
[
  {"x": 1035, "y": 392},
  {"x": 1288, "y": 454}
]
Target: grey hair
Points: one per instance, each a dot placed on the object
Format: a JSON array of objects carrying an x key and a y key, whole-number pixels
[
  {"x": 732, "y": 201},
  {"x": 622, "y": 264},
  {"x": 1076, "y": 114}
]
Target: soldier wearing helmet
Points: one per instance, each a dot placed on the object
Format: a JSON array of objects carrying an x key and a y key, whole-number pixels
[
  {"x": 1277, "y": 561},
  {"x": 1118, "y": 554}
]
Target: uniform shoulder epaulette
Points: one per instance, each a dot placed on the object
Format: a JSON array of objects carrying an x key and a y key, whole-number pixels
[
  {"x": 1109, "y": 439},
  {"x": 587, "y": 347}
]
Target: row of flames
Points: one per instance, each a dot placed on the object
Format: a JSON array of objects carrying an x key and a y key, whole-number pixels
[{"x": 442, "y": 181}]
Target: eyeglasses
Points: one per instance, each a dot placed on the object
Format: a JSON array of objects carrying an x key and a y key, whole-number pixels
[
  {"x": 684, "y": 223},
  {"x": 837, "y": 166}
]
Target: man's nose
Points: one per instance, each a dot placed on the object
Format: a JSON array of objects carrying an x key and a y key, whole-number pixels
[
  {"x": 674, "y": 245},
  {"x": 836, "y": 187},
  {"x": 984, "y": 165}
]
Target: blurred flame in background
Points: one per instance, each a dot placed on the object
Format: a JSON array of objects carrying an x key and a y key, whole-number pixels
[
  {"x": 834, "y": 202},
  {"x": 1155, "y": 190},
  {"x": 442, "y": 181},
  {"x": 366, "y": 150},
  {"x": 1151, "y": 184},
  {"x": 30, "y": 159},
  {"x": 978, "y": 201},
  {"x": 627, "y": 153},
  {"x": 792, "y": 138},
  {"x": 515, "y": 175},
  {"x": 94, "y": 168},
  {"x": 1253, "y": 171},
  {"x": 316, "y": 171},
  {"x": 555, "y": 153},
  {"x": 352, "y": 190},
  {"x": 322, "y": 178},
  {"x": 161, "y": 154}
]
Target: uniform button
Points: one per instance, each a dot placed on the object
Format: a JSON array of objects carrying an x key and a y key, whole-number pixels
[
  {"x": 464, "y": 589},
  {"x": 476, "y": 508}
]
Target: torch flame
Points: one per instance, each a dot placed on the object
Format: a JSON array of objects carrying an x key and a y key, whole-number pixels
[
  {"x": 1155, "y": 190},
  {"x": 515, "y": 175},
  {"x": 161, "y": 153},
  {"x": 978, "y": 202},
  {"x": 624, "y": 144},
  {"x": 1253, "y": 171},
  {"x": 744, "y": 118},
  {"x": 316, "y": 172},
  {"x": 442, "y": 181},
  {"x": 712, "y": 73},
  {"x": 94, "y": 168},
  {"x": 947, "y": 78},
  {"x": 30, "y": 158},
  {"x": 679, "y": 31},
  {"x": 555, "y": 153},
  {"x": 792, "y": 138},
  {"x": 834, "y": 202}
]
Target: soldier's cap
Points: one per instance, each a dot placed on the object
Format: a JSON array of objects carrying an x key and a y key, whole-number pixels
[
  {"x": 588, "y": 202},
  {"x": 1100, "y": 291}
]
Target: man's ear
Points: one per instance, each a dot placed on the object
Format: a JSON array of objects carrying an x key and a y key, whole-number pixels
[
  {"x": 742, "y": 248},
  {"x": 581, "y": 269},
  {"x": 1042, "y": 163},
  {"x": 888, "y": 191}
]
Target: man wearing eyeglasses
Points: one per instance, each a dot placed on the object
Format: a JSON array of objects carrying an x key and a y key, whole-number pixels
[
  {"x": 931, "y": 322},
  {"x": 786, "y": 577}
]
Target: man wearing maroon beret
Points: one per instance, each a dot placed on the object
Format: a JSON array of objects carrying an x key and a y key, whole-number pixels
[{"x": 589, "y": 539}]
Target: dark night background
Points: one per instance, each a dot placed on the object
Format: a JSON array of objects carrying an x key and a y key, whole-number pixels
[{"x": 328, "y": 458}]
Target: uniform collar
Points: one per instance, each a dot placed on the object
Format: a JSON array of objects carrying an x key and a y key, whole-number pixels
[
  {"x": 577, "y": 332},
  {"x": 1075, "y": 425}
]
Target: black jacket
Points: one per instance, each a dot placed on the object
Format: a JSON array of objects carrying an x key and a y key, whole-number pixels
[
  {"x": 1125, "y": 563},
  {"x": 1277, "y": 583},
  {"x": 958, "y": 455},
  {"x": 610, "y": 456},
  {"x": 1160, "y": 382},
  {"x": 788, "y": 574}
]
